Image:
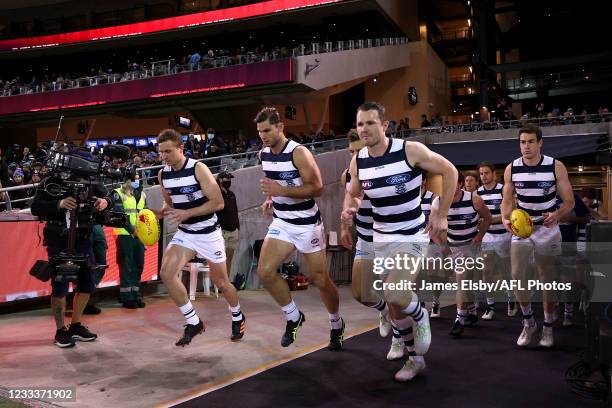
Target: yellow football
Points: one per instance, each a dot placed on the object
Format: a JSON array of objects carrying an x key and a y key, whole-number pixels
[
  {"x": 147, "y": 227},
  {"x": 521, "y": 223}
]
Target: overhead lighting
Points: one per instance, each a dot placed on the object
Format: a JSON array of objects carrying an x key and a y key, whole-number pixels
[
  {"x": 580, "y": 168},
  {"x": 469, "y": 22},
  {"x": 471, "y": 70},
  {"x": 492, "y": 111},
  {"x": 454, "y": 110},
  {"x": 476, "y": 113}
]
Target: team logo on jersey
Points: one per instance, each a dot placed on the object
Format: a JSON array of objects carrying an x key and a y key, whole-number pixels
[
  {"x": 187, "y": 189},
  {"x": 545, "y": 184},
  {"x": 190, "y": 197},
  {"x": 285, "y": 175},
  {"x": 367, "y": 184},
  {"x": 496, "y": 204},
  {"x": 290, "y": 183},
  {"x": 466, "y": 217},
  {"x": 400, "y": 189},
  {"x": 398, "y": 179},
  {"x": 218, "y": 253},
  {"x": 273, "y": 231},
  {"x": 519, "y": 184},
  {"x": 315, "y": 241}
]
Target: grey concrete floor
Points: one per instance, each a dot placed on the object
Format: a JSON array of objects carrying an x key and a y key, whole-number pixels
[{"x": 135, "y": 363}]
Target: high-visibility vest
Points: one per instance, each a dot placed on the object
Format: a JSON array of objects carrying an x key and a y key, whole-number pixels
[{"x": 131, "y": 208}]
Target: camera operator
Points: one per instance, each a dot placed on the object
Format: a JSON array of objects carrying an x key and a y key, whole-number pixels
[{"x": 56, "y": 210}]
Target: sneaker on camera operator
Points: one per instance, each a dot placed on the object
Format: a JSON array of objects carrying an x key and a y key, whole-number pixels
[{"x": 56, "y": 211}]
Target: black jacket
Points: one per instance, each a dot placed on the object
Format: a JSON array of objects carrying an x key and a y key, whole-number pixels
[
  {"x": 228, "y": 216},
  {"x": 46, "y": 206}
]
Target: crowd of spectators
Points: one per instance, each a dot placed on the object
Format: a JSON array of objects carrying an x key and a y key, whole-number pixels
[
  {"x": 502, "y": 118},
  {"x": 141, "y": 69},
  {"x": 119, "y": 65}
]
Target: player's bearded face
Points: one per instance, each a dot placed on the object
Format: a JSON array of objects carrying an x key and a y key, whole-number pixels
[{"x": 369, "y": 127}]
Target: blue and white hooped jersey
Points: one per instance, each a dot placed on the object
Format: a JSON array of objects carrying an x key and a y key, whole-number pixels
[
  {"x": 426, "y": 200},
  {"x": 185, "y": 192},
  {"x": 462, "y": 220},
  {"x": 363, "y": 220},
  {"x": 493, "y": 200},
  {"x": 536, "y": 187},
  {"x": 394, "y": 189},
  {"x": 280, "y": 168}
]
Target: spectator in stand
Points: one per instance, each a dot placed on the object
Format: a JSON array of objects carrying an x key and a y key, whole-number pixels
[
  {"x": 194, "y": 61},
  {"x": 540, "y": 110},
  {"x": 192, "y": 143},
  {"x": 424, "y": 122},
  {"x": 18, "y": 180}
]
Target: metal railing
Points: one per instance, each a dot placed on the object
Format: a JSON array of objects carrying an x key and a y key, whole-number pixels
[
  {"x": 170, "y": 67},
  {"x": 506, "y": 124},
  {"x": 229, "y": 162}
]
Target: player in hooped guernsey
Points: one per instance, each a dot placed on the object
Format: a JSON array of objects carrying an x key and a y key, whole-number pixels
[
  {"x": 465, "y": 234},
  {"x": 496, "y": 242},
  {"x": 389, "y": 171},
  {"x": 364, "y": 254},
  {"x": 292, "y": 181},
  {"x": 191, "y": 198},
  {"x": 536, "y": 180}
]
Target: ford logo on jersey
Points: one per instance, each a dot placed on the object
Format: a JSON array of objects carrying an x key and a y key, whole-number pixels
[
  {"x": 398, "y": 179},
  {"x": 287, "y": 175},
  {"x": 187, "y": 190},
  {"x": 545, "y": 184},
  {"x": 466, "y": 217},
  {"x": 366, "y": 184}
]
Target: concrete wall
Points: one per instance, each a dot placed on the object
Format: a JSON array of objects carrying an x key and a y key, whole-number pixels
[{"x": 343, "y": 66}]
